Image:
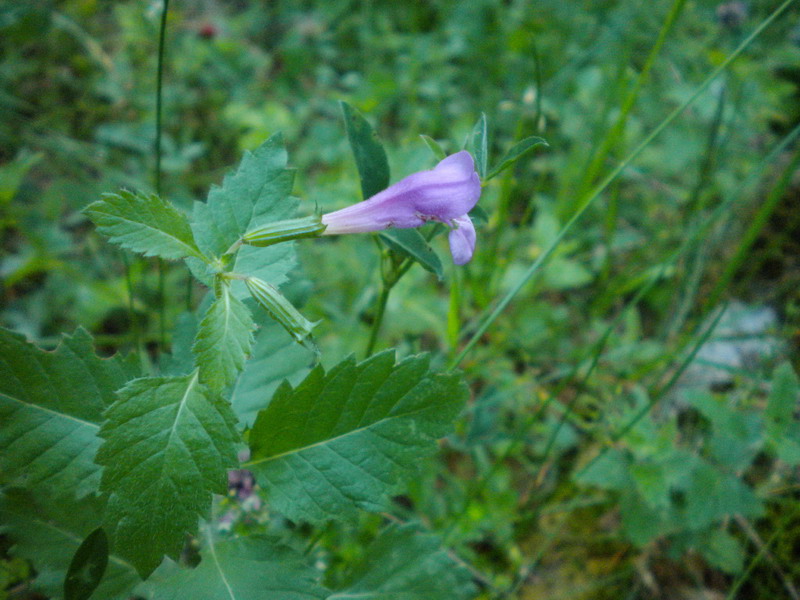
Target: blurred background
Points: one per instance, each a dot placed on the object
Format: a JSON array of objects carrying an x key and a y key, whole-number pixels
[{"x": 630, "y": 434}]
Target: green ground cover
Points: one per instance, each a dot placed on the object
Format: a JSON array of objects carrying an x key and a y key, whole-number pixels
[{"x": 629, "y": 335}]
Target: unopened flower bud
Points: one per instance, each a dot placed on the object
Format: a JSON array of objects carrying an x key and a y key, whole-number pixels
[
  {"x": 283, "y": 231},
  {"x": 279, "y": 308}
]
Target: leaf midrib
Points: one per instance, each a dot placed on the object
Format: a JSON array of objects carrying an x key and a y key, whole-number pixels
[
  {"x": 78, "y": 540},
  {"x": 213, "y": 552},
  {"x": 193, "y": 251},
  {"x": 49, "y": 410},
  {"x": 252, "y": 463}
]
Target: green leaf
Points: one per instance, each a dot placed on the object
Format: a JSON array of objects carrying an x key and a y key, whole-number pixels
[
  {"x": 373, "y": 167},
  {"x": 516, "y": 152},
  {"x": 168, "y": 443},
  {"x": 712, "y": 495},
  {"x": 252, "y": 568},
  {"x": 50, "y": 533},
  {"x": 723, "y": 551},
  {"x": 478, "y": 145},
  {"x": 405, "y": 564},
  {"x": 434, "y": 146},
  {"x": 276, "y": 357},
  {"x": 640, "y": 523},
  {"x": 651, "y": 484},
  {"x": 51, "y": 406},
  {"x": 409, "y": 242},
  {"x": 223, "y": 341},
  {"x": 181, "y": 360},
  {"x": 341, "y": 440},
  {"x": 737, "y": 435},
  {"x": 257, "y": 193},
  {"x": 782, "y": 400},
  {"x": 87, "y": 567},
  {"x": 144, "y": 223},
  {"x": 478, "y": 215}
]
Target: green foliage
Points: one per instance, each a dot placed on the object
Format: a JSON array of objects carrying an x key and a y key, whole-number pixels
[
  {"x": 87, "y": 567},
  {"x": 478, "y": 145},
  {"x": 276, "y": 357},
  {"x": 409, "y": 242},
  {"x": 223, "y": 342},
  {"x": 49, "y": 531},
  {"x": 685, "y": 493},
  {"x": 434, "y": 147},
  {"x": 255, "y": 567},
  {"x": 51, "y": 407},
  {"x": 167, "y": 444},
  {"x": 782, "y": 428},
  {"x": 341, "y": 440},
  {"x": 515, "y": 153},
  {"x": 144, "y": 223},
  {"x": 373, "y": 167},
  {"x": 591, "y": 338},
  {"x": 404, "y": 563}
]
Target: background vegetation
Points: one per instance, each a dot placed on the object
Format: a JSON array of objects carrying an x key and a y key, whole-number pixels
[{"x": 632, "y": 430}]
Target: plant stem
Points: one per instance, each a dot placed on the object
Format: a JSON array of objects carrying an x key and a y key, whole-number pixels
[
  {"x": 386, "y": 287},
  {"x": 157, "y": 144}
]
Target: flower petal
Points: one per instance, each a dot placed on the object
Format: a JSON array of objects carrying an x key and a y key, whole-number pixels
[
  {"x": 462, "y": 240},
  {"x": 441, "y": 194}
]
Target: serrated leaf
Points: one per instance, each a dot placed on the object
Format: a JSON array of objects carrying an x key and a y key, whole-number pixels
[
  {"x": 516, "y": 152},
  {"x": 252, "y": 568},
  {"x": 223, "y": 341},
  {"x": 373, "y": 167},
  {"x": 50, "y": 533},
  {"x": 409, "y": 242},
  {"x": 341, "y": 440},
  {"x": 168, "y": 443},
  {"x": 276, "y": 357},
  {"x": 405, "y": 564},
  {"x": 256, "y": 193},
  {"x": 434, "y": 147},
  {"x": 87, "y": 567},
  {"x": 144, "y": 223},
  {"x": 478, "y": 145},
  {"x": 51, "y": 406}
]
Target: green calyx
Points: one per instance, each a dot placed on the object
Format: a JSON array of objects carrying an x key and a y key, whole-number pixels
[{"x": 284, "y": 231}]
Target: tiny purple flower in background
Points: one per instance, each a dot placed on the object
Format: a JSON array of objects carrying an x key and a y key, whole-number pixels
[{"x": 444, "y": 194}]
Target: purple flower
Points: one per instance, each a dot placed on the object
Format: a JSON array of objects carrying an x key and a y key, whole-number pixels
[{"x": 444, "y": 194}]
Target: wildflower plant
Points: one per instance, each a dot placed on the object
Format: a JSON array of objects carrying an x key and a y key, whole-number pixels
[{"x": 135, "y": 453}]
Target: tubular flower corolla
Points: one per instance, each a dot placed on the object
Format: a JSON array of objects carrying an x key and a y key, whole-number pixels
[{"x": 444, "y": 194}]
